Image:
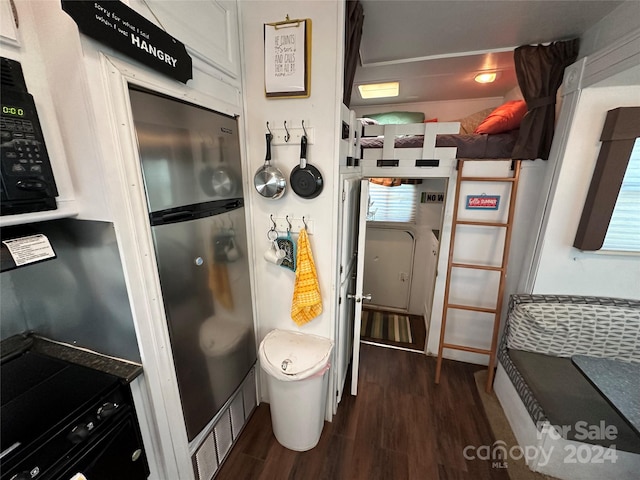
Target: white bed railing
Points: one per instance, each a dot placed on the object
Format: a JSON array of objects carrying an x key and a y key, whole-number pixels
[{"x": 389, "y": 155}]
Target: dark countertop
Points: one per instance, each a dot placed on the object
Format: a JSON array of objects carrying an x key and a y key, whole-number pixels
[{"x": 123, "y": 369}]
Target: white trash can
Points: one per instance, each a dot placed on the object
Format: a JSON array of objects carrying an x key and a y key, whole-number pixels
[{"x": 296, "y": 365}]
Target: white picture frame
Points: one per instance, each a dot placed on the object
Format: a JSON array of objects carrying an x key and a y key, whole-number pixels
[{"x": 287, "y": 52}]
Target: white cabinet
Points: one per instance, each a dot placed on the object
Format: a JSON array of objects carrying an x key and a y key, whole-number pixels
[{"x": 208, "y": 28}]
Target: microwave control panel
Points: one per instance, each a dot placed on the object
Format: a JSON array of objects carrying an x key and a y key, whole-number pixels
[{"x": 27, "y": 178}]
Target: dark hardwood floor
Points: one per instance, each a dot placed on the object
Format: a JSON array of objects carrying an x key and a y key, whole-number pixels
[{"x": 400, "y": 426}]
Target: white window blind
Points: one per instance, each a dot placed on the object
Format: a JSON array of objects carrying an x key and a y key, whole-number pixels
[
  {"x": 392, "y": 204},
  {"x": 623, "y": 233}
]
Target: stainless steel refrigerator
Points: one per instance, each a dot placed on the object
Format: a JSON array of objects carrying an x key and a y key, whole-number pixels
[{"x": 191, "y": 167}]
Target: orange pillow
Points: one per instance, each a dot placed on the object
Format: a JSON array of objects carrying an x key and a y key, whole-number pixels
[{"x": 504, "y": 118}]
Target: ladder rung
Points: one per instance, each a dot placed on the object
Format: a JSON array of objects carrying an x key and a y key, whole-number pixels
[
  {"x": 478, "y": 267},
  {"x": 482, "y": 224},
  {"x": 471, "y": 308},
  {"x": 466, "y": 349},
  {"x": 488, "y": 179}
]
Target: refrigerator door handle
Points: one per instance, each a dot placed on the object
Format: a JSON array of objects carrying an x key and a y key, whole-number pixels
[
  {"x": 234, "y": 204},
  {"x": 177, "y": 216}
]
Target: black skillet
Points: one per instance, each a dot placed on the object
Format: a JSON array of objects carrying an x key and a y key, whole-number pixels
[{"x": 305, "y": 179}]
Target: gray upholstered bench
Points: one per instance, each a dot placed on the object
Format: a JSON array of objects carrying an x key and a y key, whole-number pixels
[{"x": 550, "y": 405}]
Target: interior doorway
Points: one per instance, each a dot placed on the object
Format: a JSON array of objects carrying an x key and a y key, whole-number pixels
[
  {"x": 353, "y": 232},
  {"x": 403, "y": 223}
]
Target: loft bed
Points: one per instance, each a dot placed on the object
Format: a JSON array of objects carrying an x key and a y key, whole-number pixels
[
  {"x": 469, "y": 146},
  {"x": 539, "y": 69},
  {"x": 488, "y": 134}
]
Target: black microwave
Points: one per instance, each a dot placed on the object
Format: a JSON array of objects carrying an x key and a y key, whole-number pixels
[{"x": 27, "y": 183}]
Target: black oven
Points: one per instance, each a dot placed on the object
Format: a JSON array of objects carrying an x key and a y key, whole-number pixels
[{"x": 62, "y": 421}]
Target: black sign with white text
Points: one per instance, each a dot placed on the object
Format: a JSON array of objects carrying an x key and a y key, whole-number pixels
[{"x": 115, "y": 24}]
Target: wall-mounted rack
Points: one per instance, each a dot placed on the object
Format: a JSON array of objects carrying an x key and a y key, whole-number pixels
[
  {"x": 290, "y": 135},
  {"x": 282, "y": 223}
]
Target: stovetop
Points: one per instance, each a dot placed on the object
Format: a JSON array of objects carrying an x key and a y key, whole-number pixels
[{"x": 41, "y": 395}]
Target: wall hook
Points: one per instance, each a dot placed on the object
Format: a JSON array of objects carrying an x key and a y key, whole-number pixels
[
  {"x": 273, "y": 228},
  {"x": 305, "y": 134},
  {"x": 287, "y": 136},
  {"x": 289, "y": 227},
  {"x": 268, "y": 129},
  {"x": 303, "y": 220}
]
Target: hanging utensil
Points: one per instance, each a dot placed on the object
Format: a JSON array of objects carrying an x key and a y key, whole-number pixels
[
  {"x": 289, "y": 248},
  {"x": 306, "y": 180},
  {"x": 268, "y": 180}
]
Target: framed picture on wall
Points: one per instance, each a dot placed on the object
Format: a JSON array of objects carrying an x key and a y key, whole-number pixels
[{"x": 287, "y": 58}]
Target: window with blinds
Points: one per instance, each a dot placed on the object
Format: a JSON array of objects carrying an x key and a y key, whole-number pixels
[
  {"x": 610, "y": 219},
  {"x": 392, "y": 204},
  {"x": 623, "y": 233}
]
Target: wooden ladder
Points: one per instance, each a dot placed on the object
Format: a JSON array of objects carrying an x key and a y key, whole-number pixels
[{"x": 502, "y": 269}]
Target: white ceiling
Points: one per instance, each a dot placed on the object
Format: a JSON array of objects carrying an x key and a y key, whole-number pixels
[{"x": 435, "y": 48}]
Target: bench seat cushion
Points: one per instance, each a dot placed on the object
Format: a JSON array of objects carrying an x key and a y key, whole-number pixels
[
  {"x": 566, "y": 398},
  {"x": 567, "y": 329}
]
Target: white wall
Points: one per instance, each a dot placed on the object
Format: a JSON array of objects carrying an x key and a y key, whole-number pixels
[
  {"x": 564, "y": 269},
  {"x": 428, "y": 218},
  {"x": 274, "y": 285},
  {"x": 445, "y": 111},
  {"x": 614, "y": 26},
  {"x": 610, "y": 48}
]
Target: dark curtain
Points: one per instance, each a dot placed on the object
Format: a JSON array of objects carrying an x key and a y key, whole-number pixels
[
  {"x": 539, "y": 69},
  {"x": 354, "y": 18}
]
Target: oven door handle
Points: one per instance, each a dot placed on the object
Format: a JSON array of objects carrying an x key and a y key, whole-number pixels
[{"x": 6, "y": 452}]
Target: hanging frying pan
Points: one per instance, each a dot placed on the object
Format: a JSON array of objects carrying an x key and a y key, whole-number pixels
[
  {"x": 306, "y": 180},
  {"x": 268, "y": 180}
]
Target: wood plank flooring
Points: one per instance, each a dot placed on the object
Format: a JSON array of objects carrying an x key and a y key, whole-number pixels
[{"x": 401, "y": 426}]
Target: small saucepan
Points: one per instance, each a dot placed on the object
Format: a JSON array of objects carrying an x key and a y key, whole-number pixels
[
  {"x": 268, "y": 180},
  {"x": 306, "y": 180}
]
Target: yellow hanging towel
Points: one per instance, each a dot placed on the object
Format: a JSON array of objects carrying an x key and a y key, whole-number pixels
[{"x": 307, "y": 301}]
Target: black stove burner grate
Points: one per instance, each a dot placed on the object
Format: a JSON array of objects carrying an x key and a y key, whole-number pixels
[
  {"x": 40, "y": 393},
  {"x": 60, "y": 418}
]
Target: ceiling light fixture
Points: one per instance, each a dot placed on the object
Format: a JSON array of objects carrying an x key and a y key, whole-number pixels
[
  {"x": 486, "y": 77},
  {"x": 379, "y": 90}
]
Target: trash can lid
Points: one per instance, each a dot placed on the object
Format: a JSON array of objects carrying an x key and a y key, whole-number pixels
[{"x": 290, "y": 356}]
